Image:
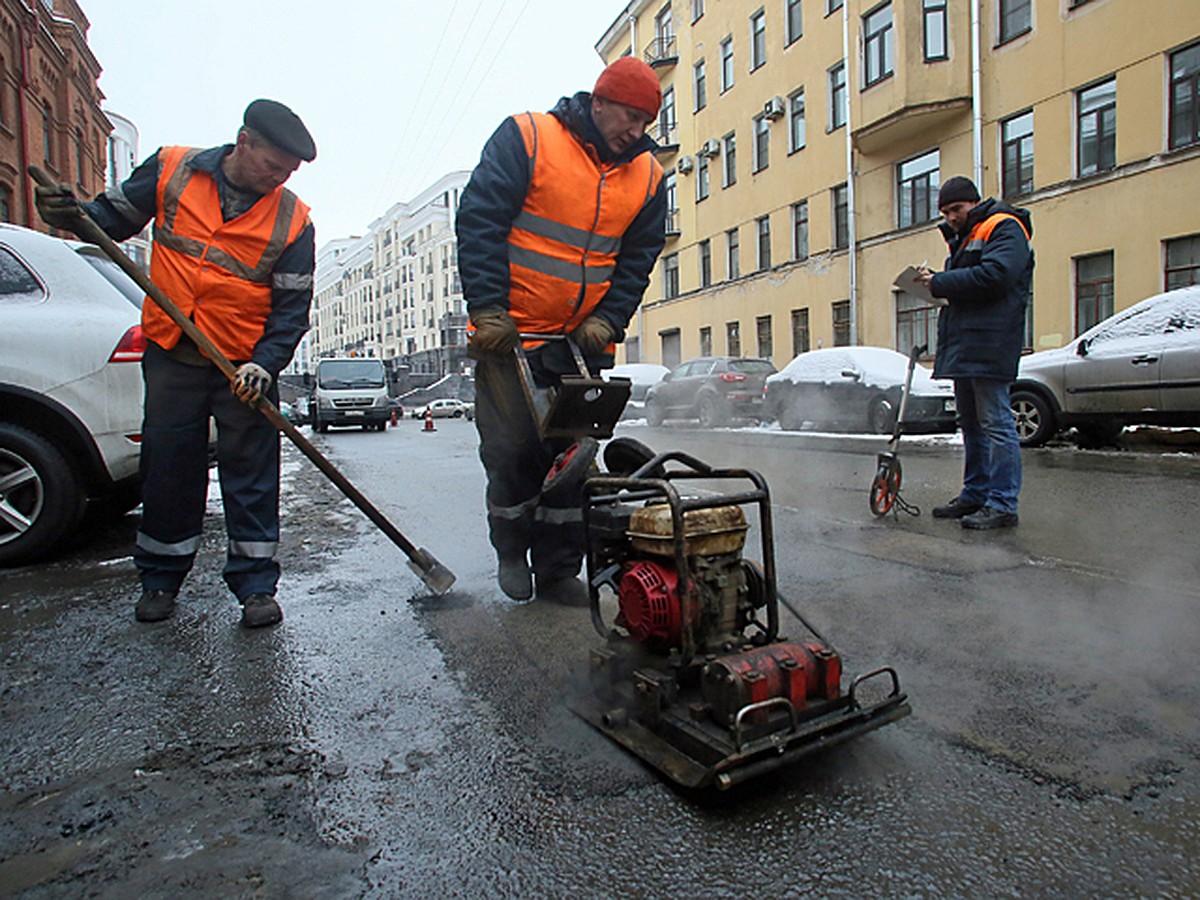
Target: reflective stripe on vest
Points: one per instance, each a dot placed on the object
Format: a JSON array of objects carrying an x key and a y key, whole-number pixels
[
  {"x": 563, "y": 246},
  {"x": 218, "y": 273},
  {"x": 983, "y": 231}
]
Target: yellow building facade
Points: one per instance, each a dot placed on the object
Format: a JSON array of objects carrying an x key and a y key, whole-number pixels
[{"x": 805, "y": 141}]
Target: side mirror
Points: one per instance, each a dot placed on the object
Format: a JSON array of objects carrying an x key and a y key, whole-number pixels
[
  {"x": 850, "y": 373},
  {"x": 1081, "y": 349}
]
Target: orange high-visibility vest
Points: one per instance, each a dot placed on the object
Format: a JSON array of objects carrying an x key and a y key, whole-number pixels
[
  {"x": 563, "y": 246},
  {"x": 218, "y": 273}
]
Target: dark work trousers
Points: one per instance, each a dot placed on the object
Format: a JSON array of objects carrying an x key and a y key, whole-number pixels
[
  {"x": 516, "y": 460},
  {"x": 179, "y": 400}
]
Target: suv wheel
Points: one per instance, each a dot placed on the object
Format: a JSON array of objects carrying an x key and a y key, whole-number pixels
[
  {"x": 654, "y": 414},
  {"x": 41, "y": 498},
  {"x": 711, "y": 412},
  {"x": 1033, "y": 417},
  {"x": 882, "y": 418}
]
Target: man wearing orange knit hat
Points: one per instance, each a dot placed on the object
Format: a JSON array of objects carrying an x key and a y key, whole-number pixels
[{"x": 558, "y": 231}]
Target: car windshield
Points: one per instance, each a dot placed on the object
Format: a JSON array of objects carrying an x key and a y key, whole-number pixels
[
  {"x": 1171, "y": 312},
  {"x": 751, "y": 366},
  {"x": 350, "y": 373},
  {"x": 115, "y": 276}
]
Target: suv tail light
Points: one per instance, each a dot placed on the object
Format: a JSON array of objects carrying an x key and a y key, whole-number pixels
[
  {"x": 732, "y": 377},
  {"x": 131, "y": 346}
]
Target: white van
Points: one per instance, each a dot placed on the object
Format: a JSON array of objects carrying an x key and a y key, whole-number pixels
[{"x": 350, "y": 391}]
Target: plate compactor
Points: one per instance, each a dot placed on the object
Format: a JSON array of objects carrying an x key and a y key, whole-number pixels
[{"x": 693, "y": 676}]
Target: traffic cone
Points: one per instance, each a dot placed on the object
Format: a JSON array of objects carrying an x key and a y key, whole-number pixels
[
  {"x": 429, "y": 420},
  {"x": 393, "y": 418}
]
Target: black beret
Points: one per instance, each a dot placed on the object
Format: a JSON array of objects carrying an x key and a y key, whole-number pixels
[
  {"x": 957, "y": 189},
  {"x": 281, "y": 127}
]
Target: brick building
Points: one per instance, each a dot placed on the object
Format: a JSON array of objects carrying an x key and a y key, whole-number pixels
[{"x": 49, "y": 104}]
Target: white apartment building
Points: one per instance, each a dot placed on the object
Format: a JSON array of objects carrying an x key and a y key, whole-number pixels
[{"x": 395, "y": 293}]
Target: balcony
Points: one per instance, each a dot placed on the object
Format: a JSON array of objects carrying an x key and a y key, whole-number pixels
[
  {"x": 666, "y": 135},
  {"x": 661, "y": 52},
  {"x": 672, "y": 224}
]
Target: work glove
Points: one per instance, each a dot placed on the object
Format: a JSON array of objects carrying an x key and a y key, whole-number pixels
[
  {"x": 593, "y": 335},
  {"x": 495, "y": 330},
  {"x": 250, "y": 383},
  {"x": 57, "y": 206}
]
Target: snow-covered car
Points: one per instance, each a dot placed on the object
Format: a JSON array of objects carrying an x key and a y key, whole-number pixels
[
  {"x": 1140, "y": 366},
  {"x": 70, "y": 389},
  {"x": 642, "y": 376},
  {"x": 858, "y": 389},
  {"x": 446, "y": 408}
]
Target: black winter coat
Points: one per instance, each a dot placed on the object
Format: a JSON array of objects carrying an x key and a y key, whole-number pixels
[{"x": 987, "y": 284}]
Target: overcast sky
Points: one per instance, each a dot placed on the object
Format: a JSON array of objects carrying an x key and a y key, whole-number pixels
[{"x": 395, "y": 92}]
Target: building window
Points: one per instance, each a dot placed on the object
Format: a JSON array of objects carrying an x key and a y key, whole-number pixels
[
  {"x": 1185, "y": 97},
  {"x": 917, "y": 183},
  {"x": 728, "y": 160},
  {"x": 1096, "y": 127},
  {"x": 1016, "y": 154},
  {"x": 699, "y": 85},
  {"x": 697, "y": 9},
  {"x": 832, "y": 6},
  {"x": 705, "y": 249},
  {"x": 795, "y": 22},
  {"x": 733, "y": 339},
  {"x": 916, "y": 324},
  {"x": 800, "y": 338},
  {"x": 1016, "y": 18},
  {"x": 797, "y": 134},
  {"x": 733, "y": 268},
  {"x": 5, "y": 204},
  {"x": 670, "y": 186},
  {"x": 879, "y": 52},
  {"x": 841, "y": 323},
  {"x": 706, "y": 341},
  {"x": 47, "y": 137},
  {"x": 758, "y": 39},
  {"x": 666, "y": 118},
  {"x": 762, "y": 142},
  {"x": 1093, "y": 290},
  {"x": 840, "y": 203},
  {"x": 762, "y": 230},
  {"x": 800, "y": 230},
  {"x": 726, "y": 64},
  {"x": 702, "y": 179},
  {"x": 763, "y": 337},
  {"x": 837, "y": 96},
  {"x": 933, "y": 29},
  {"x": 1183, "y": 262},
  {"x": 670, "y": 276}
]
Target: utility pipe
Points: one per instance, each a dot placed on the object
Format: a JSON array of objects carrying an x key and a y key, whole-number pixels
[
  {"x": 851, "y": 222},
  {"x": 976, "y": 102}
]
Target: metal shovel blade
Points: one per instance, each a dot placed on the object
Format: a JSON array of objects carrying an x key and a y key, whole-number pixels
[{"x": 432, "y": 572}]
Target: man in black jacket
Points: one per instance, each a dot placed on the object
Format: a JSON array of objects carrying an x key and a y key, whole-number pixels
[{"x": 987, "y": 281}]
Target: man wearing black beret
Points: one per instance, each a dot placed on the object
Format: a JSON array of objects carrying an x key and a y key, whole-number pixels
[
  {"x": 980, "y": 333},
  {"x": 235, "y": 251}
]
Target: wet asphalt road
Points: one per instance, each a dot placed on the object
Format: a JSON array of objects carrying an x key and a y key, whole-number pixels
[{"x": 382, "y": 743}]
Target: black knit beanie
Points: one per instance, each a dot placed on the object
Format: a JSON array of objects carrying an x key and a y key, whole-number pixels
[{"x": 957, "y": 189}]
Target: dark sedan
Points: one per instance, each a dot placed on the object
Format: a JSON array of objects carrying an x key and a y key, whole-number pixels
[
  {"x": 713, "y": 389},
  {"x": 858, "y": 389}
]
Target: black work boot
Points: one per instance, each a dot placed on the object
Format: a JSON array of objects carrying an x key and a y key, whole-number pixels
[
  {"x": 514, "y": 577},
  {"x": 260, "y": 610},
  {"x": 155, "y": 606},
  {"x": 563, "y": 591},
  {"x": 956, "y": 509}
]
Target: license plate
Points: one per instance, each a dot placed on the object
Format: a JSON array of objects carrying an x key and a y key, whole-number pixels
[{"x": 354, "y": 412}]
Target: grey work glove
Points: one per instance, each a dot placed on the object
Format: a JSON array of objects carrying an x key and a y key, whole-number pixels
[
  {"x": 58, "y": 207},
  {"x": 495, "y": 330},
  {"x": 250, "y": 382},
  {"x": 593, "y": 335}
]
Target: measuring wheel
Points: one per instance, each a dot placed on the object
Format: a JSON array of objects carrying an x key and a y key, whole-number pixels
[{"x": 885, "y": 488}]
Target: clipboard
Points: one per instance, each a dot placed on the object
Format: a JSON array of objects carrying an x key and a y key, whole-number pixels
[{"x": 907, "y": 282}]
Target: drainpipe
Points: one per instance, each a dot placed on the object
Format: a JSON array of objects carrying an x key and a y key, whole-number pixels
[
  {"x": 851, "y": 223},
  {"x": 641, "y": 324},
  {"x": 26, "y": 181},
  {"x": 976, "y": 102}
]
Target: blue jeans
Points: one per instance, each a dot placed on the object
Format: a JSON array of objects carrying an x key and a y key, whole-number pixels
[{"x": 992, "y": 469}]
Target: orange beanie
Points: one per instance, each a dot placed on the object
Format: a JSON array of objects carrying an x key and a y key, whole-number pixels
[{"x": 632, "y": 82}]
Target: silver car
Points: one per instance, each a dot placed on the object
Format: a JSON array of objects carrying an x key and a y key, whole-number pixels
[
  {"x": 70, "y": 389},
  {"x": 1138, "y": 367}
]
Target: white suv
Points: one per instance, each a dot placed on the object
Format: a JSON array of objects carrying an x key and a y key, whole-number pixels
[{"x": 70, "y": 389}]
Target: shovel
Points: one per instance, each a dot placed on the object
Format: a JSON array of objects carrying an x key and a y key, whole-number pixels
[{"x": 432, "y": 572}]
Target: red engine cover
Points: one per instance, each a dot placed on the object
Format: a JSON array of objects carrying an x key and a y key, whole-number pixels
[
  {"x": 795, "y": 672},
  {"x": 648, "y": 596}
]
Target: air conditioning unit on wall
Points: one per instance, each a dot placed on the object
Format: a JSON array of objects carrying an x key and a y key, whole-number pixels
[
  {"x": 711, "y": 147},
  {"x": 774, "y": 108},
  {"x": 685, "y": 164}
]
